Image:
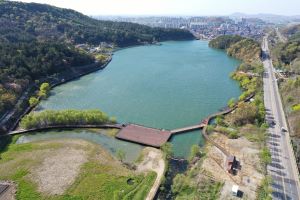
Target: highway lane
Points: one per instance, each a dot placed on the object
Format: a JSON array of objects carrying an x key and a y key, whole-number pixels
[{"x": 283, "y": 167}]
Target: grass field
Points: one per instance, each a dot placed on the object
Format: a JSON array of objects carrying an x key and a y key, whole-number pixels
[{"x": 98, "y": 175}]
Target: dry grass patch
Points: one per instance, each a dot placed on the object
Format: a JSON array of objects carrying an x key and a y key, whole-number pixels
[
  {"x": 70, "y": 169},
  {"x": 58, "y": 171}
]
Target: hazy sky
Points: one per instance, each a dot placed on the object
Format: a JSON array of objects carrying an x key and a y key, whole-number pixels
[{"x": 177, "y": 7}]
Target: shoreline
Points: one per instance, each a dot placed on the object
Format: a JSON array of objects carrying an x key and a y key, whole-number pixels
[{"x": 93, "y": 67}]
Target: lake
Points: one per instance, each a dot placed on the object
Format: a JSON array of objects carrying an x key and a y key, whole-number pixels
[{"x": 169, "y": 86}]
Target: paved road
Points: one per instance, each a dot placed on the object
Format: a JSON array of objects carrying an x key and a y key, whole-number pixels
[{"x": 283, "y": 167}]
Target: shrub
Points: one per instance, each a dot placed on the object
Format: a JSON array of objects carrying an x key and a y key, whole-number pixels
[
  {"x": 296, "y": 107},
  {"x": 231, "y": 103},
  {"x": 265, "y": 156},
  {"x": 195, "y": 152},
  {"x": 33, "y": 101},
  {"x": 246, "y": 113}
]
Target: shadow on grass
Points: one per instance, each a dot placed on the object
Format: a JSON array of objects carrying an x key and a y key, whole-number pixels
[{"x": 5, "y": 141}]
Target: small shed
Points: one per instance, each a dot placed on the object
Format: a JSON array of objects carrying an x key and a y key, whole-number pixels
[{"x": 235, "y": 190}]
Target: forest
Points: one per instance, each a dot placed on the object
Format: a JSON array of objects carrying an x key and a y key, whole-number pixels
[
  {"x": 287, "y": 55},
  {"x": 23, "y": 63},
  {"x": 239, "y": 47},
  {"x": 28, "y": 21}
]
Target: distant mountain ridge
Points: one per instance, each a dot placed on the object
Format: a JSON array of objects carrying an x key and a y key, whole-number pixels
[
  {"x": 272, "y": 18},
  {"x": 29, "y": 21}
]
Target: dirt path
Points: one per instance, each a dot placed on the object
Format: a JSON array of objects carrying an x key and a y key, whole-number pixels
[{"x": 153, "y": 161}]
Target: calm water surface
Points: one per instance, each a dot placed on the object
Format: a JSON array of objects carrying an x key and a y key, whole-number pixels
[{"x": 169, "y": 86}]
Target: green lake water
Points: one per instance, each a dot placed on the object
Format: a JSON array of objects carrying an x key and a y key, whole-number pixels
[{"x": 173, "y": 85}]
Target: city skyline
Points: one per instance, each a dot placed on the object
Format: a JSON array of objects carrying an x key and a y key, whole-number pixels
[{"x": 177, "y": 7}]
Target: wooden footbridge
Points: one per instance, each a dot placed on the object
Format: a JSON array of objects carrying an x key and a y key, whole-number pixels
[{"x": 188, "y": 128}]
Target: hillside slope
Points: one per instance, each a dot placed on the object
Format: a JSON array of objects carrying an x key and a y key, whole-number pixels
[
  {"x": 26, "y": 21},
  {"x": 239, "y": 47},
  {"x": 287, "y": 57}
]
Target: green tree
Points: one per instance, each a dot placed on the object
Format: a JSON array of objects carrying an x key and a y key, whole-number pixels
[
  {"x": 231, "y": 103},
  {"x": 266, "y": 156},
  {"x": 42, "y": 94},
  {"x": 113, "y": 120},
  {"x": 45, "y": 87},
  {"x": 264, "y": 192},
  {"x": 179, "y": 182},
  {"x": 195, "y": 152},
  {"x": 246, "y": 113},
  {"x": 64, "y": 117},
  {"x": 209, "y": 129},
  {"x": 33, "y": 101},
  {"x": 220, "y": 120}
]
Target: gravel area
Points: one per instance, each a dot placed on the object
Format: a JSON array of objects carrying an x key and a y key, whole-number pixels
[{"x": 59, "y": 170}]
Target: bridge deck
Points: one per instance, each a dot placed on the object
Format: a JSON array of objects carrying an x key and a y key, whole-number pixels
[
  {"x": 186, "y": 129},
  {"x": 144, "y": 135}
]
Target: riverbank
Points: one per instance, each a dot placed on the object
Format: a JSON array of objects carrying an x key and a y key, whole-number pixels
[{"x": 72, "y": 74}]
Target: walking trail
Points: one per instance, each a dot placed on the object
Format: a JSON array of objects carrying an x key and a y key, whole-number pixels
[{"x": 153, "y": 161}]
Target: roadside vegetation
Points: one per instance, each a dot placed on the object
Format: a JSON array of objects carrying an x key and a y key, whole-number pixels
[
  {"x": 43, "y": 93},
  {"x": 96, "y": 173},
  {"x": 248, "y": 119},
  {"x": 249, "y": 76},
  {"x": 65, "y": 117},
  {"x": 286, "y": 57}
]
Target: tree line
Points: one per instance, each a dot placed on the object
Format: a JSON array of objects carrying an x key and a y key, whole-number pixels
[{"x": 65, "y": 117}]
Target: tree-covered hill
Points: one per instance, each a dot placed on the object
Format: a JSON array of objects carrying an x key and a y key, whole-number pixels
[
  {"x": 239, "y": 47},
  {"x": 26, "y": 21},
  {"x": 224, "y": 41},
  {"x": 292, "y": 32},
  {"x": 287, "y": 55}
]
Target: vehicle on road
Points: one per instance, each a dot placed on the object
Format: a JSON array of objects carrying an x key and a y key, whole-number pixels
[
  {"x": 283, "y": 130},
  {"x": 271, "y": 122}
]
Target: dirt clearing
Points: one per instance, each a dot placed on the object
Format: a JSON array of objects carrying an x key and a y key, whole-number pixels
[{"x": 248, "y": 178}]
